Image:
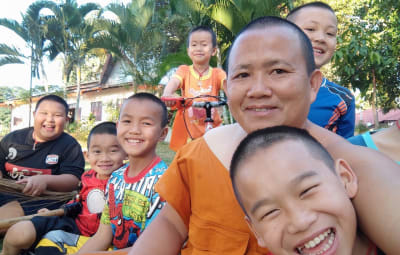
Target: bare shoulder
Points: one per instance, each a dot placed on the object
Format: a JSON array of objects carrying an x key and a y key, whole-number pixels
[{"x": 223, "y": 141}]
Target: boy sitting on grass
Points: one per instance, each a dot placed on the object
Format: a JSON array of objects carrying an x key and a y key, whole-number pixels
[
  {"x": 105, "y": 155},
  {"x": 132, "y": 202},
  {"x": 296, "y": 198}
]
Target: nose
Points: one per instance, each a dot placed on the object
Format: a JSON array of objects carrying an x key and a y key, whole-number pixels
[
  {"x": 300, "y": 220},
  {"x": 134, "y": 128},
  {"x": 260, "y": 86},
  {"x": 319, "y": 36},
  {"x": 104, "y": 157},
  {"x": 49, "y": 117}
]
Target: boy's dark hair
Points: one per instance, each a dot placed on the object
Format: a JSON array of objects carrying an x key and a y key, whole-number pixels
[
  {"x": 272, "y": 21},
  {"x": 53, "y": 98},
  {"x": 293, "y": 13},
  {"x": 267, "y": 137},
  {"x": 107, "y": 127},
  {"x": 205, "y": 29},
  {"x": 153, "y": 98}
]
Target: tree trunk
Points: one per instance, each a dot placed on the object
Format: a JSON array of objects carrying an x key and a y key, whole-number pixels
[
  {"x": 374, "y": 101},
  {"x": 78, "y": 91}
]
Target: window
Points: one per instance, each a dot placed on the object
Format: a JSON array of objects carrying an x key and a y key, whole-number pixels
[{"x": 96, "y": 109}]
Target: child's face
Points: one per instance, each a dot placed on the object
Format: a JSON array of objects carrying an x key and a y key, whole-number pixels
[
  {"x": 200, "y": 48},
  {"x": 139, "y": 127},
  {"x": 105, "y": 155},
  {"x": 49, "y": 121},
  {"x": 320, "y": 25},
  {"x": 296, "y": 202}
]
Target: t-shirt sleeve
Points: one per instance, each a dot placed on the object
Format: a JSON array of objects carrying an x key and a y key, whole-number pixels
[
  {"x": 180, "y": 74},
  {"x": 347, "y": 122},
  {"x": 222, "y": 77},
  {"x": 173, "y": 187},
  {"x": 73, "y": 161}
]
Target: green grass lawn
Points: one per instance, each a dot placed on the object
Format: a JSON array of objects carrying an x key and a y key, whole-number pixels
[{"x": 165, "y": 152}]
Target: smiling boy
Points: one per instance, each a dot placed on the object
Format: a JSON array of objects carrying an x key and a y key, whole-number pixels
[
  {"x": 334, "y": 107},
  {"x": 195, "y": 80},
  {"x": 42, "y": 157},
  {"x": 301, "y": 205},
  {"x": 132, "y": 202}
]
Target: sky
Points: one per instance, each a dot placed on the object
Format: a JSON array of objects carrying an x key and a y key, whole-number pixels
[{"x": 18, "y": 74}]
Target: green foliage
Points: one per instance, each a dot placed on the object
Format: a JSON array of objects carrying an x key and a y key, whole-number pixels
[
  {"x": 80, "y": 130},
  {"x": 360, "y": 128},
  {"x": 112, "y": 111}
]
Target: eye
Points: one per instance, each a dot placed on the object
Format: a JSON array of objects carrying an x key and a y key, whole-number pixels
[
  {"x": 96, "y": 151},
  {"x": 146, "y": 123},
  {"x": 331, "y": 34},
  {"x": 308, "y": 190},
  {"x": 126, "y": 121},
  {"x": 270, "y": 213},
  {"x": 309, "y": 29},
  {"x": 241, "y": 75},
  {"x": 278, "y": 71}
]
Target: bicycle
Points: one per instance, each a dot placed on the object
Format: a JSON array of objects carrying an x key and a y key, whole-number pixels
[{"x": 186, "y": 102}]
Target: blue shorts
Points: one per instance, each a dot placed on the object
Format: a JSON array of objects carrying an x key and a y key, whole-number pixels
[{"x": 30, "y": 206}]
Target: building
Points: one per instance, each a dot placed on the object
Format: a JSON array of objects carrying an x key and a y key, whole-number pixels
[{"x": 100, "y": 99}]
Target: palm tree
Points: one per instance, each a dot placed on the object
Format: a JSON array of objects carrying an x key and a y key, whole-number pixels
[
  {"x": 31, "y": 31},
  {"x": 132, "y": 37},
  {"x": 227, "y": 17},
  {"x": 69, "y": 30}
]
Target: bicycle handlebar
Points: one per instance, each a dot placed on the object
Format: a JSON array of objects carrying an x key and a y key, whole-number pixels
[
  {"x": 211, "y": 104},
  {"x": 187, "y": 102}
]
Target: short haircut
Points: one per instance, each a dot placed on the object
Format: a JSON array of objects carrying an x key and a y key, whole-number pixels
[
  {"x": 272, "y": 21},
  {"x": 107, "y": 127},
  {"x": 205, "y": 29},
  {"x": 53, "y": 98},
  {"x": 153, "y": 98},
  {"x": 267, "y": 137},
  {"x": 293, "y": 13}
]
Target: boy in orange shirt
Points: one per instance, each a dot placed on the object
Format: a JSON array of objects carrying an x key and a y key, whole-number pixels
[{"x": 195, "y": 80}]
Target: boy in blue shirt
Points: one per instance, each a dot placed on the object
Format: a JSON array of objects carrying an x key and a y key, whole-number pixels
[
  {"x": 334, "y": 107},
  {"x": 132, "y": 202}
]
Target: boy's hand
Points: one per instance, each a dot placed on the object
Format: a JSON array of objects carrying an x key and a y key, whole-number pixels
[
  {"x": 43, "y": 210},
  {"x": 169, "y": 100},
  {"x": 35, "y": 185}
]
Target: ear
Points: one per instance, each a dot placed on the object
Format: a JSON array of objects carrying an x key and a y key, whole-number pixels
[
  {"x": 260, "y": 241},
  {"x": 315, "y": 83},
  {"x": 164, "y": 133},
  {"x": 85, "y": 154},
  {"x": 347, "y": 177},
  {"x": 214, "y": 51},
  {"x": 225, "y": 85}
]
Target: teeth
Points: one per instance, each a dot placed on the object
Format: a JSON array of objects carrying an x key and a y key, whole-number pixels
[
  {"x": 133, "y": 141},
  {"x": 260, "y": 109},
  {"x": 316, "y": 241}
]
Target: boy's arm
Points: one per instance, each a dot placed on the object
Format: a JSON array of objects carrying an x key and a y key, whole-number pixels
[
  {"x": 101, "y": 241},
  {"x": 36, "y": 185},
  {"x": 171, "y": 87},
  {"x": 167, "y": 231},
  {"x": 377, "y": 202}
]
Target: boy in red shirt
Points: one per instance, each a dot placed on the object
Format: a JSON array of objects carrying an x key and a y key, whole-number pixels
[{"x": 105, "y": 155}]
